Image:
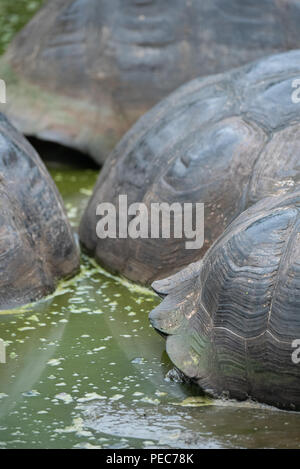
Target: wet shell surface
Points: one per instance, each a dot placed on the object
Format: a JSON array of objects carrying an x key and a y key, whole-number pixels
[
  {"x": 37, "y": 246},
  {"x": 227, "y": 141},
  {"x": 232, "y": 320},
  {"x": 83, "y": 71}
]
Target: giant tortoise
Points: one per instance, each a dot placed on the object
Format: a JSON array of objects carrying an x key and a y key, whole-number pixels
[
  {"x": 37, "y": 246},
  {"x": 82, "y": 71},
  {"x": 226, "y": 140},
  {"x": 232, "y": 320}
]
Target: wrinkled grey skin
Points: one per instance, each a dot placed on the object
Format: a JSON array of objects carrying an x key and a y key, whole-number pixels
[
  {"x": 227, "y": 141},
  {"x": 231, "y": 319},
  {"x": 83, "y": 71},
  {"x": 37, "y": 246}
]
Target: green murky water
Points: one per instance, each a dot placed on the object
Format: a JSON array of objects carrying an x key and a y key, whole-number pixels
[
  {"x": 85, "y": 369},
  {"x": 90, "y": 345}
]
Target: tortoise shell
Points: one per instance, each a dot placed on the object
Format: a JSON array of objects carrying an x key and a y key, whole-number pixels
[
  {"x": 83, "y": 71},
  {"x": 232, "y": 319},
  {"x": 37, "y": 246},
  {"x": 226, "y": 140}
]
